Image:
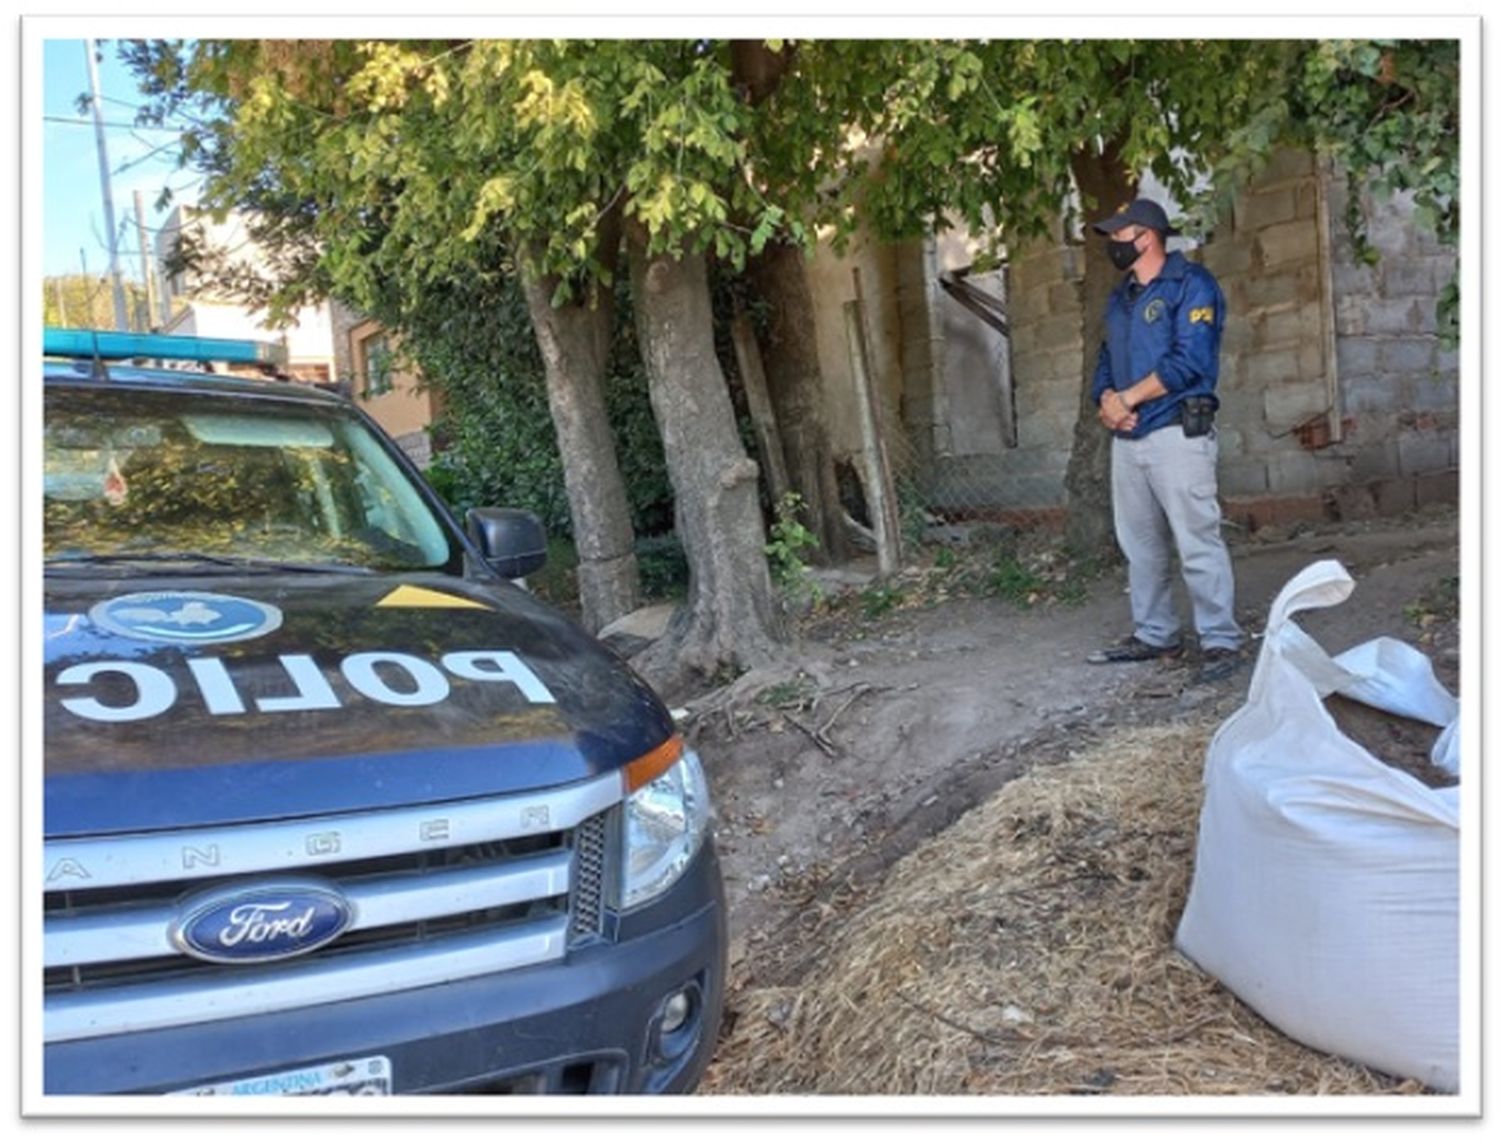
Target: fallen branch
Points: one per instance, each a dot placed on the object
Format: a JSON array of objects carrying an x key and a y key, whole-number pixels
[
  {"x": 860, "y": 689},
  {"x": 822, "y": 742}
]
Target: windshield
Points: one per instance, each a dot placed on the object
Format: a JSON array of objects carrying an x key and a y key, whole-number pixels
[{"x": 141, "y": 473}]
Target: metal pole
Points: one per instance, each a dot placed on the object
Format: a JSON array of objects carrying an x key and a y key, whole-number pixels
[
  {"x": 146, "y": 275},
  {"x": 109, "y": 202},
  {"x": 91, "y": 293}
]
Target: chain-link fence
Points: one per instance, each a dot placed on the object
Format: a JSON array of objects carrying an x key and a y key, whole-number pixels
[{"x": 954, "y": 453}]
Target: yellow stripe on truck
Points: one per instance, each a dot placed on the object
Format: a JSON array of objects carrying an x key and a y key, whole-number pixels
[{"x": 421, "y": 597}]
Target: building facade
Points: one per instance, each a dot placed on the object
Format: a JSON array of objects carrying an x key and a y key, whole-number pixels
[
  {"x": 1337, "y": 399},
  {"x": 192, "y": 304}
]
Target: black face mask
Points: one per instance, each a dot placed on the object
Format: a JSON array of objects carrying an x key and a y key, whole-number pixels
[{"x": 1123, "y": 254}]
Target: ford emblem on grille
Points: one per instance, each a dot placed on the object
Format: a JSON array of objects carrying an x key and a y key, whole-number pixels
[
  {"x": 261, "y": 924},
  {"x": 186, "y": 616}
]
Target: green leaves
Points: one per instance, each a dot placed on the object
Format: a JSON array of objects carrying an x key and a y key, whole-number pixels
[
  {"x": 964, "y": 76},
  {"x": 408, "y": 158},
  {"x": 495, "y": 196},
  {"x": 1387, "y": 112},
  {"x": 1025, "y": 131},
  {"x": 764, "y": 229}
]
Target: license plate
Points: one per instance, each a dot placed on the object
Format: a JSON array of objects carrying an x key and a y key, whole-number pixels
[{"x": 358, "y": 1077}]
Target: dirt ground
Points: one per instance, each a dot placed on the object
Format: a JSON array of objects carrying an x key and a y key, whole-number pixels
[{"x": 891, "y": 726}]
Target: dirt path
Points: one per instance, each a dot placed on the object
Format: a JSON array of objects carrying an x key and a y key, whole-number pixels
[{"x": 891, "y": 729}]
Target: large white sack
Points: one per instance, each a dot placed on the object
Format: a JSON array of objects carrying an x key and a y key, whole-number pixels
[{"x": 1325, "y": 892}]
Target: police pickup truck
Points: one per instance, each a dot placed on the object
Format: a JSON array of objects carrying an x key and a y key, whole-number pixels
[{"x": 332, "y": 805}]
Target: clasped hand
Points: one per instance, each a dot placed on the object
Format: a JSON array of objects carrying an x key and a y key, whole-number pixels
[{"x": 1114, "y": 414}]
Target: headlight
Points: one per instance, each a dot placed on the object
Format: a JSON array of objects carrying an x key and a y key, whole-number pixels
[{"x": 665, "y": 822}]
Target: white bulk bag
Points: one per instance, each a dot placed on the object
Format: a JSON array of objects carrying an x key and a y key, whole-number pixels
[{"x": 1325, "y": 892}]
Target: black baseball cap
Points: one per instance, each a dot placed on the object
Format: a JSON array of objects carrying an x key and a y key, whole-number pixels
[{"x": 1141, "y": 212}]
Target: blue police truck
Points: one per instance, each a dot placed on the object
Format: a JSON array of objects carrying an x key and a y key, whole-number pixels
[{"x": 333, "y": 806}]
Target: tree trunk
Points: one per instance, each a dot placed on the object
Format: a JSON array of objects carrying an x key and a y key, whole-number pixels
[
  {"x": 795, "y": 380},
  {"x": 574, "y": 342},
  {"x": 731, "y": 620},
  {"x": 756, "y": 69},
  {"x": 790, "y": 351},
  {"x": 1104, "y": 182}
]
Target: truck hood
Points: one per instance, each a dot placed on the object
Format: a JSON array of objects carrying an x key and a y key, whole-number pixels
[{"x": 225, "y": 699}]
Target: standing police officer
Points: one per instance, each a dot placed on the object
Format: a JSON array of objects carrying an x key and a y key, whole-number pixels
[{"x": 1154, "y": 385}]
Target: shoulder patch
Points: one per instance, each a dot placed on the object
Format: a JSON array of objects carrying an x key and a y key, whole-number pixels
[{"x": 1205, "y": 314}]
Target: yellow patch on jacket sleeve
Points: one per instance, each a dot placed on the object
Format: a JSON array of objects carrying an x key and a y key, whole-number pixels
[
  {"x": 1205, "y": 314},
  {"x": 417, "y": 596}
]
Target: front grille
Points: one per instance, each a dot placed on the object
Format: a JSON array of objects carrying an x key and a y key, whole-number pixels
[
  {"x": 422, "y": 915},
  {"x": 76, "y": 902},
  {"x": 590, "y": 877},
  {"x": 395, "y": 935}
]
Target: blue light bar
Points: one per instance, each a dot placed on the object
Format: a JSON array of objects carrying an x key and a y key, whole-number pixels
[{"x": 87, "y": 344}]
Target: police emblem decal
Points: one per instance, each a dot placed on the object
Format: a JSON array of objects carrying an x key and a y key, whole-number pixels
[{"x": 186, "y": 616}]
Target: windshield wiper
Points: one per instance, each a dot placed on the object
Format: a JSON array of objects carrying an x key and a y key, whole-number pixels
[{"x": 233, "y": 562}]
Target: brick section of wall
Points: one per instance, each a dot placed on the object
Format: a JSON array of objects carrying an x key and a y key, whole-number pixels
[
  {"x": 1274, "y": 372},
  {"x": 1346, "y": 501}
]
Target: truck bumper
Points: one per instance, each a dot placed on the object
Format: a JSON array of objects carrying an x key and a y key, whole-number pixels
[{"x": 591, "y": 1023}]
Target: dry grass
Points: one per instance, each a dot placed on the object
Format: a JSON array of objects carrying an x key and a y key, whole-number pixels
[{"x": 1028, "y": 950}]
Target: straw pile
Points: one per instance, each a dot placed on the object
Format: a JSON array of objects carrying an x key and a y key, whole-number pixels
[{"x": 1028, "y": 950}]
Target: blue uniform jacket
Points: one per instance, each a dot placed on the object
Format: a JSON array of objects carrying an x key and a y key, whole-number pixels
[{"x": 1172, "y": 328}]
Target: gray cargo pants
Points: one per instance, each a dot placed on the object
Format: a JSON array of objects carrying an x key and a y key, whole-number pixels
[{"x": 1166, "y": 490}]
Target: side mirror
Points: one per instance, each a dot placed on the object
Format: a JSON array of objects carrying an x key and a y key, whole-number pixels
[{"x": 513, "y": 542}]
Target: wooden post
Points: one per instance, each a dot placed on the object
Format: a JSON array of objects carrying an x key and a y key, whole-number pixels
[
  {"x": 877, "y": 469},
  {"x": 1335, "y": 417},
  {"x": 762, "y": 415},
  {"x": 877, "y": 408}
]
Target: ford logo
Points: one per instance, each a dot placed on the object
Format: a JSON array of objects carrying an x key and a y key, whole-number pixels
[
  {"x": 194, "y": 617},
  {"x": 261, "y": 924}
]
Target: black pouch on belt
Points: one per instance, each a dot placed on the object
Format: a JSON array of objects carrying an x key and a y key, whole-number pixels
[{"x": 1197, "y": 415}]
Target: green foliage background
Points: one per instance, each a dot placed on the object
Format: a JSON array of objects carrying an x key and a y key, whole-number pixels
[
  {"x": 88, "y": 303},
  {"x": 495, "y": 444}
]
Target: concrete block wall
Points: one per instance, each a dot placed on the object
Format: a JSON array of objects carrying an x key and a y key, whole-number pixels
[
  {"x": 1044, "y": 288},
  {"x": 1390, "y": 389},
  {"x": 1270, "y": 256},
  {"x": 1399, "y": 385},
  {"x": 1297, "y": 372}
]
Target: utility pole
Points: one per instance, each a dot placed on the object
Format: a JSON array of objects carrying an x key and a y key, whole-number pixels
[
  {"x": 91, "y": 294},
  {"x": 147, "y": 276},
  {"x": 109, "y": 202}
]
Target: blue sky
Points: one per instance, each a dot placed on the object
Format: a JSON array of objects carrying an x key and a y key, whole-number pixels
[{"x": 72, "y": 201}]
